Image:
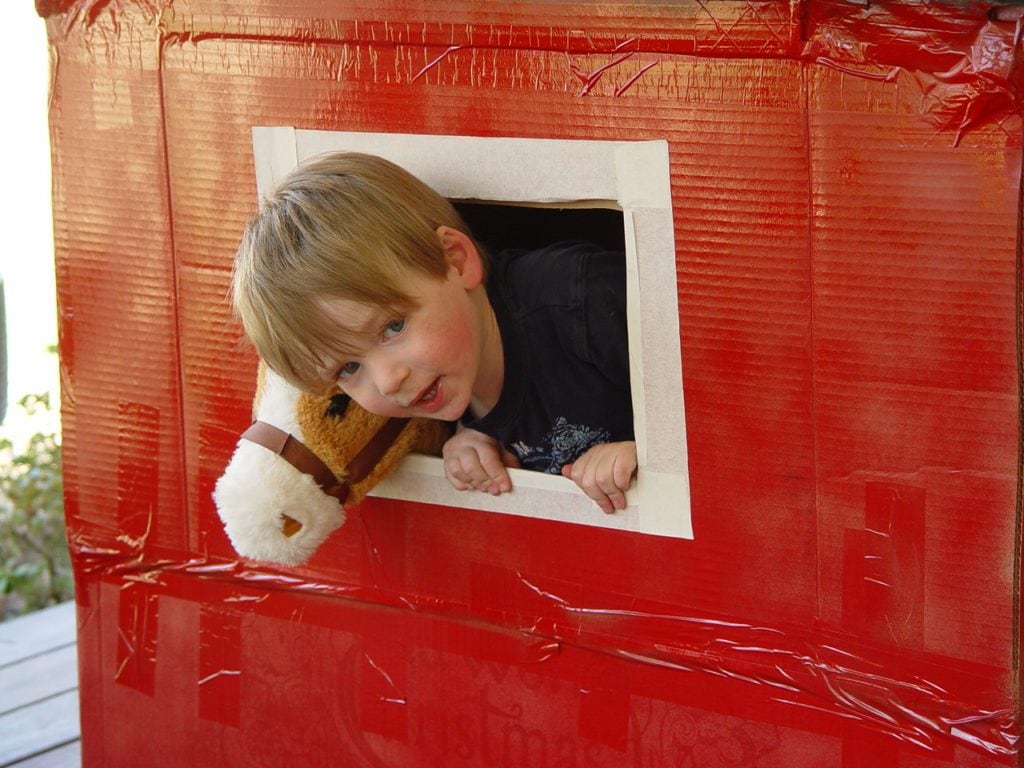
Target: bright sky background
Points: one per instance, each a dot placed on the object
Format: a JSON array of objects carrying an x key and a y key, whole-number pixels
[{"x": 26, "y": 258}]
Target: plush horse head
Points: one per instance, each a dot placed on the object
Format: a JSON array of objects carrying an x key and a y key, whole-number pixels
[{"x": 304, "y": 459}]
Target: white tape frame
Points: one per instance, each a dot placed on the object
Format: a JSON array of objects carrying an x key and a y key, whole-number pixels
[{"x": 631, "y": 176}]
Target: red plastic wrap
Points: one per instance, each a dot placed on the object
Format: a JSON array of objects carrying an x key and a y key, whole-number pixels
[
  {"x": 958, "y": 58},
  {"x": 846, "y": 191}
]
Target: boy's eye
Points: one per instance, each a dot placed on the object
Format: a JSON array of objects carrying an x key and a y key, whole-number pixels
[
  {"x": 348, "y": 369},
  {"x": 394, "y": 328}
]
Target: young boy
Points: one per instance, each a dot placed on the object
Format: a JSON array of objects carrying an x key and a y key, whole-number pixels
[{"x": 356, "y": 275}]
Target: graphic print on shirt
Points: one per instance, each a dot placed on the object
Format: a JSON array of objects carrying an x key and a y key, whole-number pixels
[{"x": 562, "y": 445}]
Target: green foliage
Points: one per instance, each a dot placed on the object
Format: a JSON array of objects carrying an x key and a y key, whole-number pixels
[{"x": 35, "y": 569}]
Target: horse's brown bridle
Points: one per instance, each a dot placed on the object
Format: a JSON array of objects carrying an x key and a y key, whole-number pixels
[{"x": 292, "y": 450}]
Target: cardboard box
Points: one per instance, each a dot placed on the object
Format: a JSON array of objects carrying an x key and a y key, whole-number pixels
[{"x": 845, "y": 190}]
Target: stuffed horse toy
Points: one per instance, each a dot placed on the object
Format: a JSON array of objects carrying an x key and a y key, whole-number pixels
[{"x": 302, "y": 462}]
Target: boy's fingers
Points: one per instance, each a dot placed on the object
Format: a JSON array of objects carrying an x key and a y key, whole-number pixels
[
  {"x": 481, "y": 470},
  {"x": 470, "y": 463},
  {"x": 606, "y": 481},
  {"x": 622, "y": 477},
  {"x": 478, "y": 477},
  {"x": 454, "y": 477},
  {"x": 465, "y": 467},
  {"x": 491, "y": 464},
  {"x": 625, "y": 467},
  {"x": 612, "y": 502},
  {"x": 605, "y": 504},
  {"x": 599, "y": 481},
  {"x": 617, "y": 500},
  {"x": 497, "y": 475},
  {"x": 618, "y": 482},
  {"x": 457, "y": 482},
  {"x": 590, "y": 485}
]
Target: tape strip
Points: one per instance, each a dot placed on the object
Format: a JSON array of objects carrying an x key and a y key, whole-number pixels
[
  {"x": 894, "y": 516},
  {"x": 382, "y": 677},
  {"x": 138, "y": 612},
  {"x": 220, "y": 664},
  {"x": 138, "y": 472},
  {"x": 642, "y": 175},
  {"x": 883, "y": 567}
]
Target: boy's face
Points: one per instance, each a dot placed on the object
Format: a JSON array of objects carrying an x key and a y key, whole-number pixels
[{"x": 425, "y": 361}]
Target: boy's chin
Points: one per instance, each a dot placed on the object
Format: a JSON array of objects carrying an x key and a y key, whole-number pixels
[
  {"x": 451, "y": 411},
  {"x": 438, "y": 417}
]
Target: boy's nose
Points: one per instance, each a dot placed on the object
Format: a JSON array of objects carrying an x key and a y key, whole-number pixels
[{"x": 389, "y": 379}]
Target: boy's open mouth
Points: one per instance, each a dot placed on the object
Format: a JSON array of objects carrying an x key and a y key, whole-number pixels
[{"x": 428, "y": 397}]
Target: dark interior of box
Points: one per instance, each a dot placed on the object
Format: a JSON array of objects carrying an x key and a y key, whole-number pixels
[{"x": 497, "y": 226}]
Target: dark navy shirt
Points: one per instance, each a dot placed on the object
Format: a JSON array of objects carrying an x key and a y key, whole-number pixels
[{"x": 561, "y": 311}]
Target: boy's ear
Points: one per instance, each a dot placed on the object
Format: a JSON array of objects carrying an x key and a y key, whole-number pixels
[{"x": 462, "y": 254}]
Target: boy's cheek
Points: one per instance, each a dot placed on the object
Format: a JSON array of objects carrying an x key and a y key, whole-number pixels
[
  {"x": 376, "y": 406},
  {"x": 387, "y": 409}
]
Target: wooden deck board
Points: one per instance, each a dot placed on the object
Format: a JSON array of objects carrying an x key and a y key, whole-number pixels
[
  {"x": 39, "y": 717},
  {"x": 68, "y": 756},
  {"x": 39, "y": 727},
  {"x": 38, "y": 677},
  {"x": 36, "y": 633}
]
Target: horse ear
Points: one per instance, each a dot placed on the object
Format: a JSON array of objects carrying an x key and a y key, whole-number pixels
[{"x": 338, "y": 405}]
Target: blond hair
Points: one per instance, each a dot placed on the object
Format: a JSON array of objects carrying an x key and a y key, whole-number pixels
[{"x": 341, "y": 226}]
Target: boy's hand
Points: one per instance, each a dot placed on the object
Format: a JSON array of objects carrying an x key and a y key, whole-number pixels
[
  {"x": 604, "y": 473},
  {"x": 475, "y": 460}
]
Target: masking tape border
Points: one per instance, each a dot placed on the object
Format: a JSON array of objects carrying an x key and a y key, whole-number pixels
[{"x": 633, "y": 176}]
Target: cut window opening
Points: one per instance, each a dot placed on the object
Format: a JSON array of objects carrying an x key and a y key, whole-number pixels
[{"x": 498, "y": 227}]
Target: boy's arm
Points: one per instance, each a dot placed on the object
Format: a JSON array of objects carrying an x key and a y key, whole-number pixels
[
  {"x": 604, "y": 473},
  {"x": 475, "y": 460}
]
